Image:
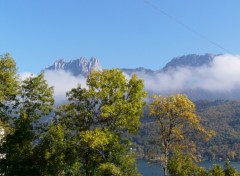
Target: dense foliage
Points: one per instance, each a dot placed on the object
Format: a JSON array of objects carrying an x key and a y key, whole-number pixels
[
  {"x": 87, "y": 136},
  {"x": 99, "y": 132},
  {"x": 223, "y": 117},
  {"x": 94, "y": 122}
]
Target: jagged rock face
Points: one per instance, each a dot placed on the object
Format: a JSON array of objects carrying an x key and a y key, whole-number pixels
[
  {"x": 76, "y": 67},
  {"x": 191, "y": 60}
]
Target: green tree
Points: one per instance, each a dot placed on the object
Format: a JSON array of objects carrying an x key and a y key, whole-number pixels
[
  {"x": 216, "y": 170},
  {"x": 183, "y": 165},
  {"x": 57, "y": 154},
  {"x": 229, "y": 170},
  {"x": 9, "y": 87},
  {"x": 34, "y": 101},
  {"x": 99, "y": 115},
  {"x": 108, "y": 169},
  {"x": 178, "y": 121},
  {"x": 8, "y": 78}
]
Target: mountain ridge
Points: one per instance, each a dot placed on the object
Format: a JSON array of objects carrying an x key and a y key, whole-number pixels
[
  {"x": 192, "y": 60},
  {"x": 83, "y": 67},
  {"x": 194, "y": 75}
]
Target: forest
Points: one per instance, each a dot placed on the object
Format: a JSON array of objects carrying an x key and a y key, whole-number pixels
[{"x": 103, "y": 129}]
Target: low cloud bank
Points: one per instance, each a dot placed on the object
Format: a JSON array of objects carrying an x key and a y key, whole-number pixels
[
  {"x": 63, "y": 82},
  {"x": 221, "y": 77}
]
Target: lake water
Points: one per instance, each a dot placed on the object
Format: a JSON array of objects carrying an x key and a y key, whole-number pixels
[{"x": 154, "y": 169}]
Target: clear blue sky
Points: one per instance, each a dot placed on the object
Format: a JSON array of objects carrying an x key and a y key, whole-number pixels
[{"x": 121, "y": 33}]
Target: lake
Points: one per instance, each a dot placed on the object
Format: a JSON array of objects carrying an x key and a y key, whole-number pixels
[{"x": 154, "y": 169}]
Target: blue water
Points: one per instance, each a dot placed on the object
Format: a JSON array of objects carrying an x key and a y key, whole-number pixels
[
  {"x": 149, "y": 169},
  {"x": 154, "y": 169}
]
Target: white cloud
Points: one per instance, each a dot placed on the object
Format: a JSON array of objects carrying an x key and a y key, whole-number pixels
[
  {"x": 222, "y": 75},
  {"x": 63, "y": 82},
  {"x": 25, "y": 75}
]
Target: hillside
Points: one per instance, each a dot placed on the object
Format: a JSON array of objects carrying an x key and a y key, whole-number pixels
[{"x": 221, "y": 115}]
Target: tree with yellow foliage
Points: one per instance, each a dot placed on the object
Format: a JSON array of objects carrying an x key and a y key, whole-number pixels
[{"x": 178, "y": 124}]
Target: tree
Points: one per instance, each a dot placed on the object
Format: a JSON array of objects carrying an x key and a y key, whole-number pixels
[
  {"x": 109, "y": 169},
  {"x": 8, "y": 78},
  {"x": 98, "y": 116},
  {"x": 216, "y": 170},
  {"x": 34, "y": 101},
  {"x": 183, "y": 165},
  {"x": 178, "y": 121},
  {"x": 56, "y": 152},
  {"x": 229, "y": 170},
  {"x": 9, "y": 87}
]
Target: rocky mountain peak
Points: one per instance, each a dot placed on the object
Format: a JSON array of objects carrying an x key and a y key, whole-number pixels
[
  {"x": 76, "y": 67},
  {"x": 94, "y": 64}
]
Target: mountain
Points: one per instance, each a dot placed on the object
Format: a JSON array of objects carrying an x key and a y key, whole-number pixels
[
  {"x": 191, "y": 60},
  {"x": 199, "y": 76},
  {"x": 83, "y": 67},
  {"x": 77, "y": 67},
  {"x": 208, "y": 76}
]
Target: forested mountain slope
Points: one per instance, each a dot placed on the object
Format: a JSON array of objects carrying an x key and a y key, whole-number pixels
[{"x": 222, "y": 116}]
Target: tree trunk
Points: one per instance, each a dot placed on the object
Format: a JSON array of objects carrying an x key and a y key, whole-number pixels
[
  {"x": 165, "y": 171},
  {"x": 165, "y": 162}
]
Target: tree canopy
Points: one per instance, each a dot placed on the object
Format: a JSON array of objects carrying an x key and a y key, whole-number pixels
[
  {"x": 97, "y": 117},
  {"x": 9, "y": 87},
  {"x": 178, "y": 122},
  {"x": 32, "y": 103}
]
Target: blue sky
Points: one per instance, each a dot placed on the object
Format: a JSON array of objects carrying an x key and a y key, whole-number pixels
[{"x": 120, "y": 33}]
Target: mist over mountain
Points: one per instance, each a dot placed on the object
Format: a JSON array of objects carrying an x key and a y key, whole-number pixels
[
  {"x": 206, "y": 76},
  {"x": 192, "y": 60}
]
